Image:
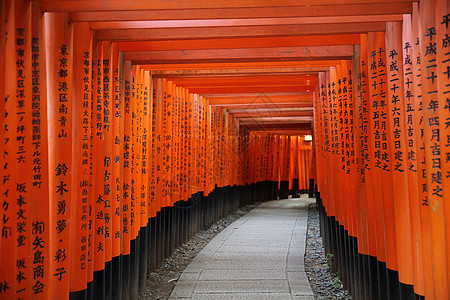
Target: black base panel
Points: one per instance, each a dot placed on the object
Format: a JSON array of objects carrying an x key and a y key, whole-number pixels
[{"x": 364, "y": 276}]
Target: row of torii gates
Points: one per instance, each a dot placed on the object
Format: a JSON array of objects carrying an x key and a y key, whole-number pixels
[{"x": 126, "y": 127}]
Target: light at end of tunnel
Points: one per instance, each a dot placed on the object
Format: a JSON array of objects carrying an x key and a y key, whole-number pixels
[{"x": 308, "y": 137}]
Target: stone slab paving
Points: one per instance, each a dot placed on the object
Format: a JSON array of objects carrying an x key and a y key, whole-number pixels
[{"x": 259, "y": 256}]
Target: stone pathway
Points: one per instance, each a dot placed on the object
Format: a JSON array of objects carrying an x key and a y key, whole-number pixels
[{"x": 259, "y": 256}]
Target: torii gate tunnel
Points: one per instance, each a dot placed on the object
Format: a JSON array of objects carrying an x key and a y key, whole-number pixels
[{"x": 127, "y": 127}]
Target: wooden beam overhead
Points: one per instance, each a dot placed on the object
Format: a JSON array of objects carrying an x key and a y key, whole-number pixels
[
  {"x": 120, "y": 5},
  {"x": 284, "y": 41},
  {"x": 265, "y": 127},
  {"x": 263, "y": 105},
  {"x": 274, "y": 100},
  {"x": 259, "y": 95},
  {"x": 249, "y": 89},
  {"x": 243, "y": 22},
  {"x": 241, "y": 55},
  {"x": 275, "y": 120},
  {"x": 192, "y": 67},
  {"x": 250, "y": 115},
  {"x": 247, "y": 12},
  {"x": 238, "y": 31},
  {"x": 244, "y": 80}
]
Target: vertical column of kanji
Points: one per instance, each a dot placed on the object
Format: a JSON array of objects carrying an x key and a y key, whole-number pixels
[
  {"x": 98, "y": 156},
  {"x": 375, "y": 163},
  {"x": 139, "y": 146},
  {"x": 345, "y": 148},
  {"x": 386, "y": 160},
  {"x": 353, "y": 149},
  {"x": 322, "y": 133},
  {"x": 360, "y": 142},
  {"x": 40, "y": 189},
  {"x": 157, "y": 85},
  {"x": 162, "y": 142},
  {"x": 169, "y": 147},
  {"x": 59, "y": 74},
  {"x": 436, "y": 204},
  {"x": 182, "y": 140},
  {"x": 9, "y": 161},
  {"x": 367, "y": 168},
  {"x": 210, "y": 135},
  {"x": 133, "y": 155},
  {"x": 117, "y": 150},
  {"x": 343, "y": 144},
  {"x": 399, "y": 150},
  {"x": 190, "y": 123},
  {"x": 153, "y": 157},
  {"x": 146, "y": 132},
  {"x": 202, "y": 133},
  {"x": 176, "y": 151},
  {"x": 195, "y": 147},
  {"x": 330, "y": 98},
  {"x": 443, "y": 62},
  {"x": 82, "y": 77},
  {"x": 317, "y": 117},
  {"x": 419, "y": 123},
  {"x": 412, "y": 143},
  {"x": 24, "y": 148},
  {"x": 336, "y": 160},
  {"x": 214, "y": 154},
  {"x": 125, "y": 203},
  {"x": 109, "y": 141}
]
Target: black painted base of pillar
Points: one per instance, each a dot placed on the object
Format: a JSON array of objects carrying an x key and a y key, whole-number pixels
[{"x": 364, "y": 276}]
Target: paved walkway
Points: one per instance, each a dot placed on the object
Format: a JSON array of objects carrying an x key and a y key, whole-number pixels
[{"x": 259, "y": 256}]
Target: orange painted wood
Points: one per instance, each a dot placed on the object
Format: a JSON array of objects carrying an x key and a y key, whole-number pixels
[
  {"x": 8, "y": 147},
  {"x": 40, "y": 188},
  {"x": 375, "y": 154},
  {"x": 266, "y": 99},
  {"x": 127, "y": 143},
  {"x": 83, "y": 5},
  {"x": 98, "y": 156},
  {"x": 117, "y": 100},
  {"x": 241, "y": 55},
  {"x": 210, "y": 23},
  {"x": 245, "y": 12},
  {"x": 420, "y": 150},
  {"x": 250, "y": 42},
  {"x": 237, "y": 31},
  {"x": 25, "y": 149},
  {"x": 386, "y": 156},
  {"x": 413, "y": 132},
  {"x": 58, "y": 40},
  {"x": 82, "y": 84},
  {"x": 433, "y": 159},
  {"x": 442, "y": 11},
  {"x": 249, "y": 89},
  {"x": 396, "y": 104},
  {"x": 192, "y": 68}
]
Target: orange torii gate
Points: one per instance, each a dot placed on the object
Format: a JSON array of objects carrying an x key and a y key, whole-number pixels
[{"x": 128, "y": 127}]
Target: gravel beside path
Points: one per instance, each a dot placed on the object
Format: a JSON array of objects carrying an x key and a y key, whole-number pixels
[{"x": 324, "y": 283}]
